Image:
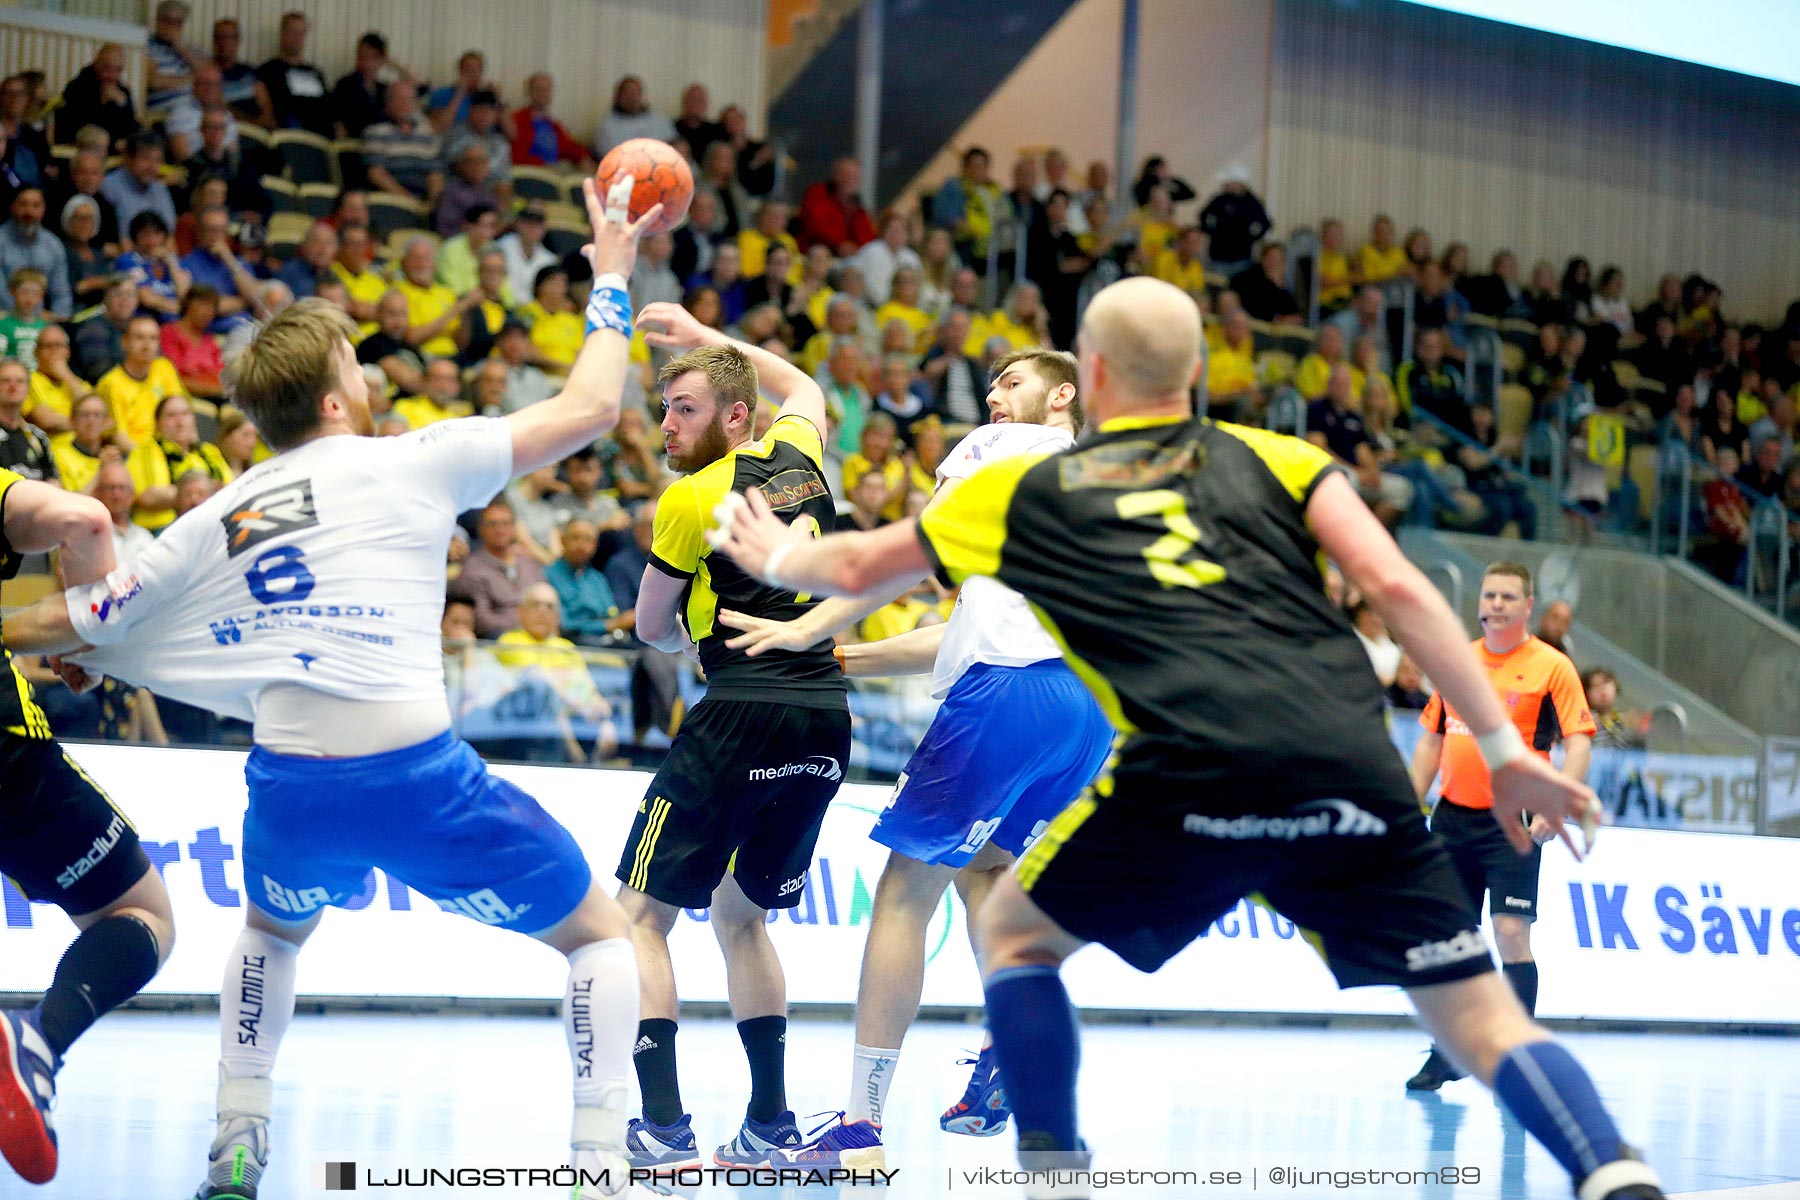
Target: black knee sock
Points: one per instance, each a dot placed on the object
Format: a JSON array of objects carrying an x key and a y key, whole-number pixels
[
  {"x": 107, "y": 965},
  {"x": 654, "y": 1058},
  {"x": 765, "y": 1045},
  {"x": 1524, "y": 980}
]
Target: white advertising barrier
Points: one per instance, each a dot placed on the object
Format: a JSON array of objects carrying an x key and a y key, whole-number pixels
[{"x": 1657, "y": 925}]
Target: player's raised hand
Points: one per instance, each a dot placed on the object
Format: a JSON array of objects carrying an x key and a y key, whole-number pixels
[
  {"x": 762, "y": 635},
  {"x": 1531, "y": 785},
  {"x": 750, "y": 532},
  {"x": 614, "y": 248},
  {"x": 673, "y": 327}
]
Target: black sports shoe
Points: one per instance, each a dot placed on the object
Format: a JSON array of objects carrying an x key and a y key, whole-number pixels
[
  {"x": 1627, "y": 1177},
  {"x": 1055, "y": 1174},
  {"x": 1436, "y": 1072}
]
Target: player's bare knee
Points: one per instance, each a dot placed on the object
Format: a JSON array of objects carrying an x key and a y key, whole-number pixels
[
  {"x": 645, "y": 914},
  {"x": 910, "y": 884},
  {"x": 1513, "y": 936}
]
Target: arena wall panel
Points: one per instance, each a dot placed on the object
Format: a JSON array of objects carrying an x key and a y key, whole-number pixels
[
  {"x": 1505, "y": 137},
  {"x": 586, "y": 44},
  {"x": 1203, "y": 72},
  {"x": 1656, "y": 926}
]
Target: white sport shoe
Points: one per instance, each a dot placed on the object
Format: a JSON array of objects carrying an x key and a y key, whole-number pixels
[{"x": 236, "y": 1162}]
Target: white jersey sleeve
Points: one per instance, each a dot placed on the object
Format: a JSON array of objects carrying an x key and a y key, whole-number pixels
[
  {"x": 991, "y": 443},
  {"x": 466, "y": 462},
  {"x": 106, "y": 611},
  {"x": 992, "y": 624}
]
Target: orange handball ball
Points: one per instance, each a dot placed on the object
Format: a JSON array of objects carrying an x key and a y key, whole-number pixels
[{"x": 660, "y": 176}]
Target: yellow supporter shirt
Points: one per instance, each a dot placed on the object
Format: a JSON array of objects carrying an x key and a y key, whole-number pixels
[
  {"x": 753, "y": 250},
  {"x": 159, "y": 463},
  {"x": 74, "y": 466},
  {"x": 902, "y": 616},
  {"x": 1378, "y": 265},
  {"x": 892, "y": 472},
  {"x": 1190, "y": 277},
  {"x": 133, "y": 401},
  {"x": 1154, "y": 237},
  {"x": 425, "y": 305},
  {"x": 816, "y": 351},
  {"x": 1314, "y": 373},
  {"x": 815, "y": 308},
  {"x": 516, "y": 648},
  {"x": 1334, "y": 278},
  {"x": 1231, "y": 371},
  {"x": 558, "y": 336},
  {"x": 47, "y": 393},
  {"x": 917, "y": 319},
  {"x": 421, "y": 411},
  {"x": 365, "y": 287},
  {"x": 984, "y": 327}
]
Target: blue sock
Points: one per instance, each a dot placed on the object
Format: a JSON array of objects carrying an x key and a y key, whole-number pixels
[
  {"x": 1037, "y": 1045},
  {"x": 1552, "y": 1096}
]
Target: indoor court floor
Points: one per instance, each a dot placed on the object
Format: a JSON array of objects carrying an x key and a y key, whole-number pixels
[{"x": 1719, "y": 1115}]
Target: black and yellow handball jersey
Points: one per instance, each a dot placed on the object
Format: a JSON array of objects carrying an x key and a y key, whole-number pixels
[
  {"x": 787, "y": 466},
  {"x": 19, "y": 713},
  {"x": 1172, "y": 561}
]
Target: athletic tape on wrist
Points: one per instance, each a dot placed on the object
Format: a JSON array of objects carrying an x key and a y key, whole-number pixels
[
  {"x": 1501, "y": 747},
  {"x": 609, "y": 305},
  {"x": 772, "y": 568}
]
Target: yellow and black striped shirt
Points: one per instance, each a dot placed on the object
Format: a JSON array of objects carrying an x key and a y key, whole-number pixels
[
  {"x": 19, "y": 713},
  {"x": 1172, "y": 561},
  {"x": 787, "y": 466}
]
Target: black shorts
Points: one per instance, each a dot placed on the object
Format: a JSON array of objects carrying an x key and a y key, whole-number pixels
[
  {"x": 1145, "y": 861},
  {"x": 61, "y": 839},
  {"x": 1486, "y": 862},
  {"x": 744, "y": 790}
]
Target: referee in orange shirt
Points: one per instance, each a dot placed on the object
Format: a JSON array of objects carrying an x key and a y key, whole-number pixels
[{"x": 1544, "y": 695}]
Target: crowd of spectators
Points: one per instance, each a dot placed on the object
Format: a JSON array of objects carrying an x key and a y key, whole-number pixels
[{"x": 139, "y": 256}]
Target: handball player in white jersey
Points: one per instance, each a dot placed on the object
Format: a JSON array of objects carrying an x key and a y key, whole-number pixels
[
  {"x": 306, "y": 597},
  {"x": 1017, "y": 738}
]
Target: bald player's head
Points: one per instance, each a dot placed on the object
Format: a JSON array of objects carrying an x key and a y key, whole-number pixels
[{"x": 1139, "y": 344}]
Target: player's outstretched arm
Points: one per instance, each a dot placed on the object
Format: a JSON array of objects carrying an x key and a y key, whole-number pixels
[
  {"x": 840, "y": 564},
  {"x": 41, "y": 517},
  {"x": 828, "y": 618},
  {"x": 911, "y": 653},
  {"x": 1422, "y": 622},
  {"x": 672, "y": 327},
  {"x": 588, "y": 406}
]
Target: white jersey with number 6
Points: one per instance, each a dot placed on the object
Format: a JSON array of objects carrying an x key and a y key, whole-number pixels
[
  {"x": 992, "y": 623},
  {"x": 322, "y": 567}
]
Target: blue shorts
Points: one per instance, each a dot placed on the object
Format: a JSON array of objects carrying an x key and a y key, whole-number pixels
[
  {"x": 1009, "y": 749},
  {"x": 428, "y": 815}
]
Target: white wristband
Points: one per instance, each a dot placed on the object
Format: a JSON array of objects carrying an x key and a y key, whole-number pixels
[
  {"x": 1501, "y": 747},
  {"x": 772, "y": 567}
]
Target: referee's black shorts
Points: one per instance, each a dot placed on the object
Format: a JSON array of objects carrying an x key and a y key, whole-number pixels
[
  {"x": 61, "y": 838},
  {"x": 1149, "y": 858},
  {"x": 1486, "y": 862},
  {"x": 743, "y": 792}
]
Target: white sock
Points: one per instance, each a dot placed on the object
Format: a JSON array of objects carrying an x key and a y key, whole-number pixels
[
  {"x": 600, "y": 1018},
  {"x": 871, "y": 1074},
  {"x": 256, "y": 1002}
]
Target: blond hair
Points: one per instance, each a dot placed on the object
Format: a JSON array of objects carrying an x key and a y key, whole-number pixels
[
  {"x": 730, "y": 375},
  {"x": 292, "y": 364}
]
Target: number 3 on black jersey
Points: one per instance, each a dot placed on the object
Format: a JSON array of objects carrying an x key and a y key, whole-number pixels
[{"x": 1166, "y": 554}]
